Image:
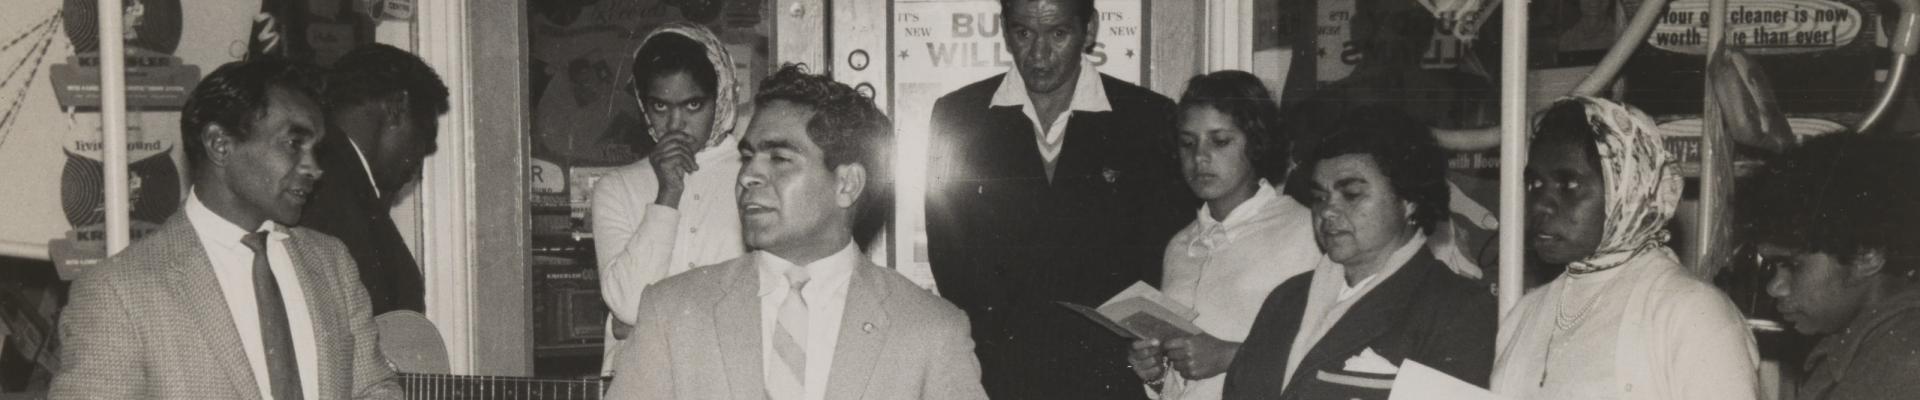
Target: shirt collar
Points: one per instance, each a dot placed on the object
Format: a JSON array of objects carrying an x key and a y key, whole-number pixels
[
  {"x": 1399, "y": 257},
  {"x": 1240, "y": 214},
  {"x": 1837, "y": 350},
  {"x": 728, "y": 147},
  {"x": 362, "y": 156},
  {"x": 833, "y": 268},
  {"x": 1088, "y": 93},
  {"x": 218, "y": 231}
]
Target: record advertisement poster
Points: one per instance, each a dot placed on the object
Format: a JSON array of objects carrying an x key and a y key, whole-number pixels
[{"x": 50, "y": 124}]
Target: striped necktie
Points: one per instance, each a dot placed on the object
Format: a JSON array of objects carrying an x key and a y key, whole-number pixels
[
  {"x": 790, "y": 341},
  {"x": 276, "y": 338}
]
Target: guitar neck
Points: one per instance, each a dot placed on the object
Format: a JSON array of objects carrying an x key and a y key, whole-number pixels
[{"x": 464, "y": 387}]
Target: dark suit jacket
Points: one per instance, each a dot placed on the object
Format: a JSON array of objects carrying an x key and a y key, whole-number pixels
[
  {"x": 343, "y": 206},
  {"x": 152, "y": 323},
  {"x": 1423, "y": 312},
  {"x": 698, "y": 337},
  {"x": 1005, "y": 243}
]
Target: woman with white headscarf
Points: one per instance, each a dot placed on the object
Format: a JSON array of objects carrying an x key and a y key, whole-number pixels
[
  {"x": 1625, "y": 320},
  {"x": 674, "y": 210}
]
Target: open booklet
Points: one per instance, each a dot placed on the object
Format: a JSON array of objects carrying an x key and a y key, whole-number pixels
[{"x": 1142, "y": 312}]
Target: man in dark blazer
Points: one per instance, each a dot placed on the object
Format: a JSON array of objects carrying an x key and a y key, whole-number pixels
[
  {"x": 1049, "y": 183},
  {"x": 229, "y": 299},
  {"x": 383, "y": 106},
  {"x": 804, "y": 315}
]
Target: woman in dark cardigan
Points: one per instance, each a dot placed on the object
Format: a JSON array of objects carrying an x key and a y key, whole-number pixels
[{"x": 1344, "y": 329}]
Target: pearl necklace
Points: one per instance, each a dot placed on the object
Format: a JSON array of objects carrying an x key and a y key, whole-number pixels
[{"x": 1563, "y": 322}]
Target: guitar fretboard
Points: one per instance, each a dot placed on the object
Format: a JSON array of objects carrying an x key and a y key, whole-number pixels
[{"x": 462, "y": 387}]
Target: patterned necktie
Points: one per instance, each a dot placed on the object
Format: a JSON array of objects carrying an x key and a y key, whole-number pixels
[
  {"x": 276, "y": 339},
  {"x": 790, "y": 341}
]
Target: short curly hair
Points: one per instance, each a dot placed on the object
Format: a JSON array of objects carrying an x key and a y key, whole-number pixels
[
  {"x": 235, "y": 96},
  {"x": 1841, "y": 195},
  {"x": 1406, "y": 153},
  {"x": 1242, "y": 97},
  {"x": 375, "y": 70},
  {"x": 849, "y": 129},
  {"x": 1082, "y": 9}
]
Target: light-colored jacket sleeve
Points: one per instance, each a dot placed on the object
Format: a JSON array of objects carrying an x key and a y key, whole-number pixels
[
  {"x": 373, "y": 378},
  {"x": 99, "y": 348},
  {"x": 955, "y": 370},
  {"x": 645, "y": 365},
  {"x": 1710, "y": 352},
  {"x": 633, "y": 246}
]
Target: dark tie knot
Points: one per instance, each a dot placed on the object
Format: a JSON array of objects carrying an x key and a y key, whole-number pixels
[{"x": 256, "y": 241}]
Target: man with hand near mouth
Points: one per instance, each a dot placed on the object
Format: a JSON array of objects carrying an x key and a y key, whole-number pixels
[
  {"x": 227, "y": 299},
  {"x": 1838, "y": 223}
]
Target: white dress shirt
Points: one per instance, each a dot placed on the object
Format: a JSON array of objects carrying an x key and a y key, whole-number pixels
[
  {"x": 637, "y": 242},
  {"x": 826, "y": 296},
  {"x": 1224, "y": 269},
  {"x": 362, "y": 156},
  {"x": 233, "y": 267},
  {"x": 1088, "y": 95}
]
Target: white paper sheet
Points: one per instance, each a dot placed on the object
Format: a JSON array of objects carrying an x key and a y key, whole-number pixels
[{"x": 1418, "y": 381}]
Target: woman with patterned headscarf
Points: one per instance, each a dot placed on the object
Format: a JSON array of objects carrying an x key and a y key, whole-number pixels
[
  {"x": 1625, "y": 320},
  {"x": 674, "y": 210}
]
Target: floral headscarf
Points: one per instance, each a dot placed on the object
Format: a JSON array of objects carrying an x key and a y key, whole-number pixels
[
  {"x": 1642, "y": 181},
  {"x": 725, "y": 102}
]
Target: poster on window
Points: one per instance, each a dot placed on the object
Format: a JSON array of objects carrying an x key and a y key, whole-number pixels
[
  {"x": 941, "y": 45},
  {"x": 50, "y": 125}
]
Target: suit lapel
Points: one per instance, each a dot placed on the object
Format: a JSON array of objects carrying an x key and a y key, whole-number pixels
[
  {"x": 1376, "y": 313},
  {"x": 736, "y": 319},
  {"x": 322, "y": 313},
  {"x": 350, "y": 173},
  {"x": 863, "y": 333},
  {"x": 1079, "y": 158},
  {"x": 1017, "y": 153},
  {"x": 192, "y": 280}
]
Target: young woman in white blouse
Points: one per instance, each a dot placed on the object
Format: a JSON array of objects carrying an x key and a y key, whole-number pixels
[{"x": 1246, "y": 238}]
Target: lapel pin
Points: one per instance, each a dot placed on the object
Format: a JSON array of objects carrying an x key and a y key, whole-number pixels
[{"x": 868, "y": 327}]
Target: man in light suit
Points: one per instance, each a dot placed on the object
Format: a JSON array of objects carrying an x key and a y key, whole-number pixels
[
  {"x": 226, "y": 300},
  {"x": 803, "y": 315}
]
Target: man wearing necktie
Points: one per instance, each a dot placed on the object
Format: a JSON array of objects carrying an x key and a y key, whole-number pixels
[
  {"x": 804, "y": 315},
  {"x": 227, "y": 300}
]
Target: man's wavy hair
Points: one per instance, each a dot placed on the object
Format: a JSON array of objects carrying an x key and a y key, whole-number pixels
[
  {"x": 235, "y": 96},
  {"x": 375, "y": 70},
  {"x": 1082, "y": 9},
  {"x": 849, "y": 129}
]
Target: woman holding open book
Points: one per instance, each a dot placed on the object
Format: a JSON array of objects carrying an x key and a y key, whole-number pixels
[
  {"x": 1246, "y": 239},
  {"x": 1347, "y": 328}
]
